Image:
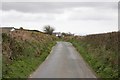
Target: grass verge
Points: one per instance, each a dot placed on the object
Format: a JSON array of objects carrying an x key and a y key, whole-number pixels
[{"x": 98, "y": 58}]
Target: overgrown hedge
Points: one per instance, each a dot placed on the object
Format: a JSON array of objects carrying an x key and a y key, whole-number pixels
[
  {"x": 21, "y": 57},
  {"x": 100, "y": 51}
]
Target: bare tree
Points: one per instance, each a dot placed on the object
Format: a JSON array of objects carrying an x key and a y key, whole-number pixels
[{"x": 48, "y": 29}]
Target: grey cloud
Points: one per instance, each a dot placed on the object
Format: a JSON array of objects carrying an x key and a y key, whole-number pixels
[
  {"x": 96, "y": 18},
  {"x": 30, "y": 14},
  {"x": 54, "y": 7}
]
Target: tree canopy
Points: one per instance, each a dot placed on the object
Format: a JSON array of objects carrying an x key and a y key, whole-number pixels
[{"x": 48, "y": 29}]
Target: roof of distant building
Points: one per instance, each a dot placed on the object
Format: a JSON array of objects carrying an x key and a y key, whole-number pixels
[{"x": 6, "y": 27}]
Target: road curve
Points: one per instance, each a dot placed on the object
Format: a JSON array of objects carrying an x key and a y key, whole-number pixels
[{"x": 63, "y": 62}]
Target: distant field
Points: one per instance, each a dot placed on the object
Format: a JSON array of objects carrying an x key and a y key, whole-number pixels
[{"x": 100, "y": 51}]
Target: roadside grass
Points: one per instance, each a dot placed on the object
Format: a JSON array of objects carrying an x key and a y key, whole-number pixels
[
  {"x": 25, "y": 56},
  {"x": 23, "y": 68},
  {"x": 97, "y": 61},
  {"x": 98, "y": 58}
]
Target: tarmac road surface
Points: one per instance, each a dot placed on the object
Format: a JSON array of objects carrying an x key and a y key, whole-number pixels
[{"x": 63, "y": 62}]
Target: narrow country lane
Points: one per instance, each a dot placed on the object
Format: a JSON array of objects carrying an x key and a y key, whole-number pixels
[{"x": 63, "y": 62}]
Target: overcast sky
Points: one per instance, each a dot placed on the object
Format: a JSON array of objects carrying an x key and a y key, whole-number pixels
[{"x": 75, "y": 17}]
